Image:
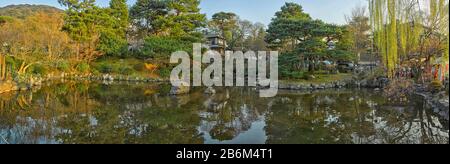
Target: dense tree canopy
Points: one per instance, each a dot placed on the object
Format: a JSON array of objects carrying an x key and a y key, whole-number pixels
[
  {"x": 305, "y": 40},
  {"x": 36, "y": 40},
  {"x": 145, "y": 16},
  {"x": 292, "y": 11},
  {"x": 402, "y": 30},
  {"x": 113, "y": 36},
  {"x": 240, "y": 34},
  {"x": 83, "y": 24},
  {"x": 167, "y": 17},
  {"x": 119, "y": 11},
  {"x": 97, "y": 31},
  {"x": 224, "y": 23},
  {"x": 184, "y": 17}
]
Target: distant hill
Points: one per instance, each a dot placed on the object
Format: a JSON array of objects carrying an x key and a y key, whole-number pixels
[{"x": 23, "y": 11}]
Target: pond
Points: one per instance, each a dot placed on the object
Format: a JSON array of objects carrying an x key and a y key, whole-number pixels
[{"x": 121, "y": 112}]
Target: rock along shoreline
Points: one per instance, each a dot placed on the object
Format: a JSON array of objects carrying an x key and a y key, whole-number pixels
[
  {"x": 10, "y": 86},
  {"x": 376, "y": 84}
]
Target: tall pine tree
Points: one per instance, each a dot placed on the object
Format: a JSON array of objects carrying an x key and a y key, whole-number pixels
[
  {"x": 119, "y": 11},
  {"x": 167, "y": 17},
  {"x": 81, "y": 22},
  {"x": 113, "y": 40}
]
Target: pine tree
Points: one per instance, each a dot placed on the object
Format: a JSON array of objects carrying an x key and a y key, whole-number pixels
[
  {"x": 96, "y": 30},
  {"x": 119, "y": 11},
  {"x": 82, "y": 25},
  {"x": 113, "y": 36},
  {"x": 167, "y": 17},
  {"x": 185, "y": 17}
]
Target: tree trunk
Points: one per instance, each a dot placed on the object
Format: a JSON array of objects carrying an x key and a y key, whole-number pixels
[
  {"x": 311, "y": 65},
  {"x": 3, "y": 67},
  {"x": 50, "y": 51},
  {"x": 26, "y": 67},
  {"x": 78, "y": 51},
  {"x": 23, "y": 68}
]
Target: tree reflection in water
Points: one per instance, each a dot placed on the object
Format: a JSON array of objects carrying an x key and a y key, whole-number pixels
[{"x": 70, "y": 112}]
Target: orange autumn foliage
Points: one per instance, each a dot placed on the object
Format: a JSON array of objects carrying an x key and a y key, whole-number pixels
[
  {"x": 151, "y": 67},
  {"x": 36, "y": 39}
]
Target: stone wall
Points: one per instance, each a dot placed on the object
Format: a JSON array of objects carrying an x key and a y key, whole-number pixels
[
  {"x": 374, "y": 84},
  {"x": 439, "y": 102}
]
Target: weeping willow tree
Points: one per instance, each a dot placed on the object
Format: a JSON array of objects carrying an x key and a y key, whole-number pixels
[
  {"x": 444, "y": 17},
  {"x": 437, "y": 23},
  {"x": 384, "y": 23},
  {"x": 403, "y": 29}
]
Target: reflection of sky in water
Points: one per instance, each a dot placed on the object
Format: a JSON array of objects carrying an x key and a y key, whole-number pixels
[
  {"x": 254, "y": 135},
  {"x": 23, "y": 133},
  {"x": 68, "y": 113}
]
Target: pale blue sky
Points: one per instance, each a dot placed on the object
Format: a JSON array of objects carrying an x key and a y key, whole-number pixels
[{"x": 331, "y": 11}]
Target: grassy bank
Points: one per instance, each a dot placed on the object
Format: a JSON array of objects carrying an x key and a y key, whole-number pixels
[
  {"x": 129, "y": 67},
  {"x": 320, "y": 78}
]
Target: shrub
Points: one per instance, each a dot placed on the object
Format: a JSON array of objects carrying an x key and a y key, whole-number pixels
[
  {"x": 165, "y": 88},
  {"x": 39, "y": 69},
  {"x": 63, "y": 66},
  {"x": 83, "y": 67},
  {"x": 376, "y": 73},
  {"x": 12, "y": 62},
  {"x": 287, "y": 63},
  {"x": 95, "y": 72},
  {"x": 111, "y": 44},
  {"x": 307, "y": 76},
  {"x": 151, "y": 67},
  {"x": 162, "y": 47},
  {"x": 139, "y": 67},
  {"x": 398, "y": 90},
  {"x": 436, "y": 85},
  {"x": 125, "y": 71},
  {"x": 165, "y": 72},
  {"x": 5, "y": 19},
  {"x": 104, "y": 68},
  {"x": 293, "y": 74}
]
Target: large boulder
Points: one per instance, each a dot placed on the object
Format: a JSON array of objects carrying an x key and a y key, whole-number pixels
[{"x": 107, "y": 77}]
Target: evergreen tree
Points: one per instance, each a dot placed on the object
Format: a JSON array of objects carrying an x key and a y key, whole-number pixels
[
  {"x": 96, "y": 30},
  {"x": 293, "y": 31},
  {"x": 119, "y": 11},
  {"x": 184, "y": 17},
  {"x": 223, "y": 23},
  {"x": 82, "y": 25},
  {"x": 145, "y": 16},
  {"x": 167, "y": 17},
  {"x": 291, "y": 11},
  {"x": 113, "y": 38}
]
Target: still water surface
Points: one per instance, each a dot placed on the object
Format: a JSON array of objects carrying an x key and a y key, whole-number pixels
[{"x": 74, "y": 112}]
